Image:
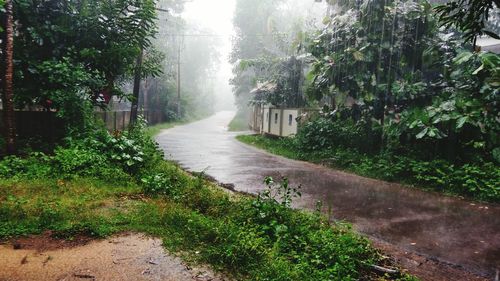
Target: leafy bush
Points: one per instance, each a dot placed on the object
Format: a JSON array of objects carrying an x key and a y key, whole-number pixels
[
  {"x": 35, "y": 166},
  {"x": 156, "y": 184},
  {"x": 99, "y": 155},
  {"x": 324, "y": 133},
  {"x": 74, "y": 160}
]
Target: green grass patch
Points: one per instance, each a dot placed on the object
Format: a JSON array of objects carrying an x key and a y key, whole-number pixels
[
  {"x": 247, "y": 238},
  {"x": 239, "y": 122},
  {"x": 156, "y": 129},
  {"x": 278, "y": 146}
]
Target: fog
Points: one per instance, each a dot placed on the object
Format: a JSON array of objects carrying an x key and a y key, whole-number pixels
[
  {"x": 216, "y": 16},
  {"x": 219, "y": 16}
]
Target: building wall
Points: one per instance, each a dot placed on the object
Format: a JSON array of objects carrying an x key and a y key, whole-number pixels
[
  {"x": 279, "y": 122},
  {"x": 289, "y": 122},
  {"x": 275, "y": 121}
]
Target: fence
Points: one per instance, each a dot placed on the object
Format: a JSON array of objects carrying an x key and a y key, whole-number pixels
[
  {"x": 119, "y": 120},
  {"x": 46, "y": 126}
]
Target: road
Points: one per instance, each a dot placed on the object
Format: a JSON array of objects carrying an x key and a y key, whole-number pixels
[{"x": 455, "y": 231}]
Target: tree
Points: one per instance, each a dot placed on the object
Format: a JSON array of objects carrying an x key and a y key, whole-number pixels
[
  {"x": 469, "y": 17},
  {"x": 8, "y": 95},
  {"x": 367, "y": 58},
  {"x": 94, "y": 44}
]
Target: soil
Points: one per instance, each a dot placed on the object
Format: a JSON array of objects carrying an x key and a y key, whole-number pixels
[{"x": 124, "y": 257}]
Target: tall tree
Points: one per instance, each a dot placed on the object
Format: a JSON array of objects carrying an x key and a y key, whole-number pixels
[
  {"x": 8, "y": 69},
  {"x": 135, "y": 93},
  {"x": 91, "y": 45}
]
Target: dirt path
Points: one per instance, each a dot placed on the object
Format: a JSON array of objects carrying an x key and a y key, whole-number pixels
[
  {"x": 125, "y": 257},
  {"x": 447, "y": 233}
]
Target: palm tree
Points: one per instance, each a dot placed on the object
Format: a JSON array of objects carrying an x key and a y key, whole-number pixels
[{"x": 8, "y": 94}]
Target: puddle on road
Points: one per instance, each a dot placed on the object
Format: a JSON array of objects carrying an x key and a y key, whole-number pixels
[{"x": 125, "y": 257}]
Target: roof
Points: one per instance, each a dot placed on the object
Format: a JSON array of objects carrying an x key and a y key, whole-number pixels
[{"x": 267, "y": 86}]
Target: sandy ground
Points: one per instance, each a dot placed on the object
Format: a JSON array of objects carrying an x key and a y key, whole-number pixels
[{"x": 125, "y": 257}]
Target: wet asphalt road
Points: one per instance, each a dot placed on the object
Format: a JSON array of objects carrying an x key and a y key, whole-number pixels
[{"x": 449, "y": 229}]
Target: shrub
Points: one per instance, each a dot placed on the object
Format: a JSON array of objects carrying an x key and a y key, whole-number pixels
[
  {"x": 74, "y": 160},
  {"x": 36, "y": 165},
  {"x": 324, "y": 133},
  {"x": 157, "y": 184}
]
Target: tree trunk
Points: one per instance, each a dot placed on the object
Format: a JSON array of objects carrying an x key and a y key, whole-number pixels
[
  {"x": 8, "y": 94},
  {"x": 135, "y": 94}
]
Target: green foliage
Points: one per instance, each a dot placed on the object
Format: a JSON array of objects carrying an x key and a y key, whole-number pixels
[
  {"x": 74, "y": 160},
  {"x": 156, "y": 184},
  {"x": 268, "y": 42},
  {"x": 468, "y": 16},
  {"x": 282, "y": 81},
  {"x": 279, "y": 193},
  {"x": 330, "y": 132},
  {"x": 239, "y": 122},
  {"x": 70, "y": 56},
  {"x": 408, "y": 102},
  {"x": 259, "y": 238},
  {"x": 368, "y": 54},
  {"x": 99, "y": 155},
  {"x": 62, "y": 84},
  {"x": 464, "y": 116}
]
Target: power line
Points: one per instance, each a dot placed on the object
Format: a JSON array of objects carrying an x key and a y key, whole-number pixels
[{"x": 222, "y": 35}]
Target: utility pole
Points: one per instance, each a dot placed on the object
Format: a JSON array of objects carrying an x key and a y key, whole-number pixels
[{"x": 8, "y": 70}]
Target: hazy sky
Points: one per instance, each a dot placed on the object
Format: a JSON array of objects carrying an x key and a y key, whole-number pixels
[{"x": 216, "y": 15}]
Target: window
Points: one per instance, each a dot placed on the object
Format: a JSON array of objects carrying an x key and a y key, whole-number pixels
[
  {"x": 290, "y": 120},
  {"x": 275, "y": 118}
]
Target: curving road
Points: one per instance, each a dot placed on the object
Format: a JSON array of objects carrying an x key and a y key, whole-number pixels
[{"x": 459, "y": 232}]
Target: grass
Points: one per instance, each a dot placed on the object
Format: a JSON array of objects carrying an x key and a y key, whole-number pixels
[
  {"x": 106, "y": 184},
  {"x": 156, "y": 129},
  {"x": 278, "y": 146},
  {"x": 239, "y": 122},
  {"x": 247, "y": 238}
]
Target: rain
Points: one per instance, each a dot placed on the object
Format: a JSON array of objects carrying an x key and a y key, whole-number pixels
[{"x": 250, "y": 140}]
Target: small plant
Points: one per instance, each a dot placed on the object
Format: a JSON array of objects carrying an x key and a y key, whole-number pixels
[
  {"x": 157, "y": 184},
  {"x": 281, "y": 193}
]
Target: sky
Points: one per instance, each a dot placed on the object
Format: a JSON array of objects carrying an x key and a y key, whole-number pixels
[{"x": 216, "y": 15}]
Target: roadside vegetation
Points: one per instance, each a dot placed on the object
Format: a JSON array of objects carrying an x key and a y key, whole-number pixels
[
  {"x": 239, "y": 122},
  {"x": 105, "y": 184},
  {"x": 401, "y": 89},
  {"x": 474, "y": 181},
  {"x": 154, "y": 130}
]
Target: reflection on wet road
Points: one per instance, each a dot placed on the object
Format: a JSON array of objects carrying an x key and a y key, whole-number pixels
[{"x": 452, "y": 230}]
